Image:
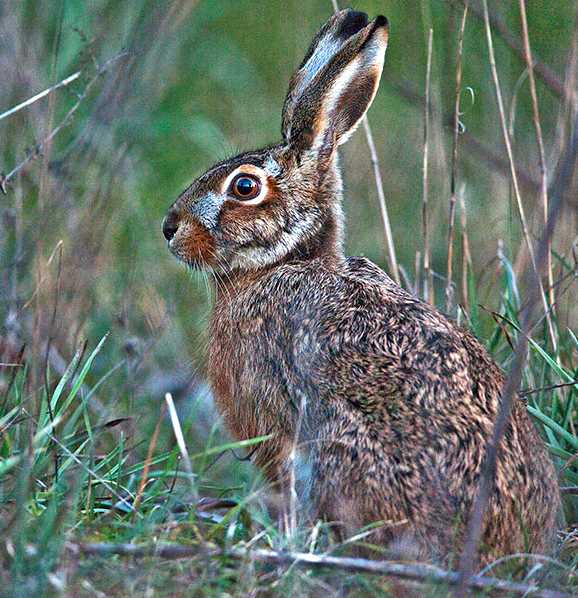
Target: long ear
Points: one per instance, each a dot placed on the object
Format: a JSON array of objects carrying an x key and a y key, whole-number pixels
[{"x": 336, "y": 83}]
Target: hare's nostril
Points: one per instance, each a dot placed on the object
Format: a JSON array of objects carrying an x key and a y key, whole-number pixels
[{"x": 170, "y": 225}]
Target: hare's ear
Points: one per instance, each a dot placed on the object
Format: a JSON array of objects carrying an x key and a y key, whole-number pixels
[{"x": 336, "y": 83}]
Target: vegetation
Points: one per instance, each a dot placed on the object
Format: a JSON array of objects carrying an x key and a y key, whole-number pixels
[{"x": 99, "y": 322}]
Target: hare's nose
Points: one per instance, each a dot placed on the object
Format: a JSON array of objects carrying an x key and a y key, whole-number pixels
[{"x": 170, "y": 225}]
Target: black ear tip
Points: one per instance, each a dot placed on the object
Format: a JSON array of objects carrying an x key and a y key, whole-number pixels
[
  {"x": 381, "y": 21},
  {"x": 353, "y": 22}
]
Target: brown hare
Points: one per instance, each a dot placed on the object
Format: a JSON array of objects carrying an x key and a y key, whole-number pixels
[{"x": 380, "y": 405}]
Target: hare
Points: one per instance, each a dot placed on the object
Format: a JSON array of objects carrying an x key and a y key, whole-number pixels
[{"x": 378, "y": 407}]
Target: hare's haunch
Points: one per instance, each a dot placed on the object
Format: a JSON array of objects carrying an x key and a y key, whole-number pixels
[{"x": 388, "y": 403}]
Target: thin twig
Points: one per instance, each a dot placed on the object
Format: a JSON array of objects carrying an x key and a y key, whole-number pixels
[
  {"x": 452, "y": 214},
  {"x": 391, "y": 255},
  {"x": 416, "y": 572},
  {"x": 32, "y": 155},
  {"x": 540, "y": 142},
  {"x": 558, "y": 191},
  {"x": 428, "y": 278},
  {"x": 529, "y": 391},
  {"x": 40, "y": 95},
  {"x": 515, "y": 185}
]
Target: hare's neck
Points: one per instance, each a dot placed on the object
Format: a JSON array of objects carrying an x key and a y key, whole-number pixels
[{"x": 328, "y": 242}]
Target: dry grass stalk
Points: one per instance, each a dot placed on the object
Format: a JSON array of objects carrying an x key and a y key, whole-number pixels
[
  {"x": 545, "y": 73},
  {"x": 452, "y": 214},
  {"x": 515, "y": 185},
  {"x": 540, "y": 142},
  {"x": 466, "y": 254},
  {"x": 410, "y": 571},
  {"x": 391, "y": 255},
  {"x": 475, "y": 146},
  {"x": 428, "y": 293}
]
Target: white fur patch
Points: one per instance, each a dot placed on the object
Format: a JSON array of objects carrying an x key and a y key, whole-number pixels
[
  {"x": 257, "y": 257},
  {"x": 272, "y": 167},
  {"x": 206, "y": 209},
  {"x": 324, "y": 52}
]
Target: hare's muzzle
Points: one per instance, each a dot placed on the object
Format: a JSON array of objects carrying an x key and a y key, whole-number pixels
[
  {"x": 170, "y": 225},
  {"x": 188, "y": 240}
]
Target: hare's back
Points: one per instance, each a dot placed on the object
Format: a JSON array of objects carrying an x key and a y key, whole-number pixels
[{"x": 354, "y": 331}]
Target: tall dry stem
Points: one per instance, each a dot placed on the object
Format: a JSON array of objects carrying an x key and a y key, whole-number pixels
[
  {"x": 540, "y": 142},
  {"x": 428, "y": 294},
  {"x": 456, "y": 132},
  {"x": 466, "y": 253}
]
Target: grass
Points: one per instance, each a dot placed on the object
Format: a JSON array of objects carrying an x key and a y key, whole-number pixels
[
  {"x": 69, "y": 476},
  {"x": 99, "y": 322}
]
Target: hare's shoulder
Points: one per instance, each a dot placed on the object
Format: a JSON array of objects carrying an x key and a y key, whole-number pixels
[{"x": 350, "y": 291}]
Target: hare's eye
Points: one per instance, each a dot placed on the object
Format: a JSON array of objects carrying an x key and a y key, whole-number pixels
[{"x": 245, "y": 186}]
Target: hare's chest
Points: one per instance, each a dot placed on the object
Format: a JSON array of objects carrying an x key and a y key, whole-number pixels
[{"x": 248, "y": 372}]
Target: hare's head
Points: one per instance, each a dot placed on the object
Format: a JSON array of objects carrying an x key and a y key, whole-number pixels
[{"x": 283, "y": 201}]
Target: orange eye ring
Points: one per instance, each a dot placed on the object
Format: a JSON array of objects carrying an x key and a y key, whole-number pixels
[{"x": 245, "y": 186}]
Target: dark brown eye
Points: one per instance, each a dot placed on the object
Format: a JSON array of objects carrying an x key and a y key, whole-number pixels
[{"x": 245, "y": 186}]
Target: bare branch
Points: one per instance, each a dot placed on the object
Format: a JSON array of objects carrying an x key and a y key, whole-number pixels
[
  {"x": 37, "y": 151},
  {"x": 40, "y": 95},
  {"x": 411, "y": 571},
  {"x": 558, "y": 192}
]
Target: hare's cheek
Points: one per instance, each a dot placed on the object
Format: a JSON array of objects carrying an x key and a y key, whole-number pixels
[
  {"x": 246, "y": 224},
  {"x": 195, "y": 244},
  {"x": 238, "y": 222}
]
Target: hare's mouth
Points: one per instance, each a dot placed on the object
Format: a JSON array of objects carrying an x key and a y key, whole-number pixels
[{"x": 194, "y": 246}]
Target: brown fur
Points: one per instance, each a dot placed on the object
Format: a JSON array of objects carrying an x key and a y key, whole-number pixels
[{"x": 391, "y": 404}]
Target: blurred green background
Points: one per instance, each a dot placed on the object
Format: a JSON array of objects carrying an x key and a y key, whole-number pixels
[{"x": 194, "y": 81}]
